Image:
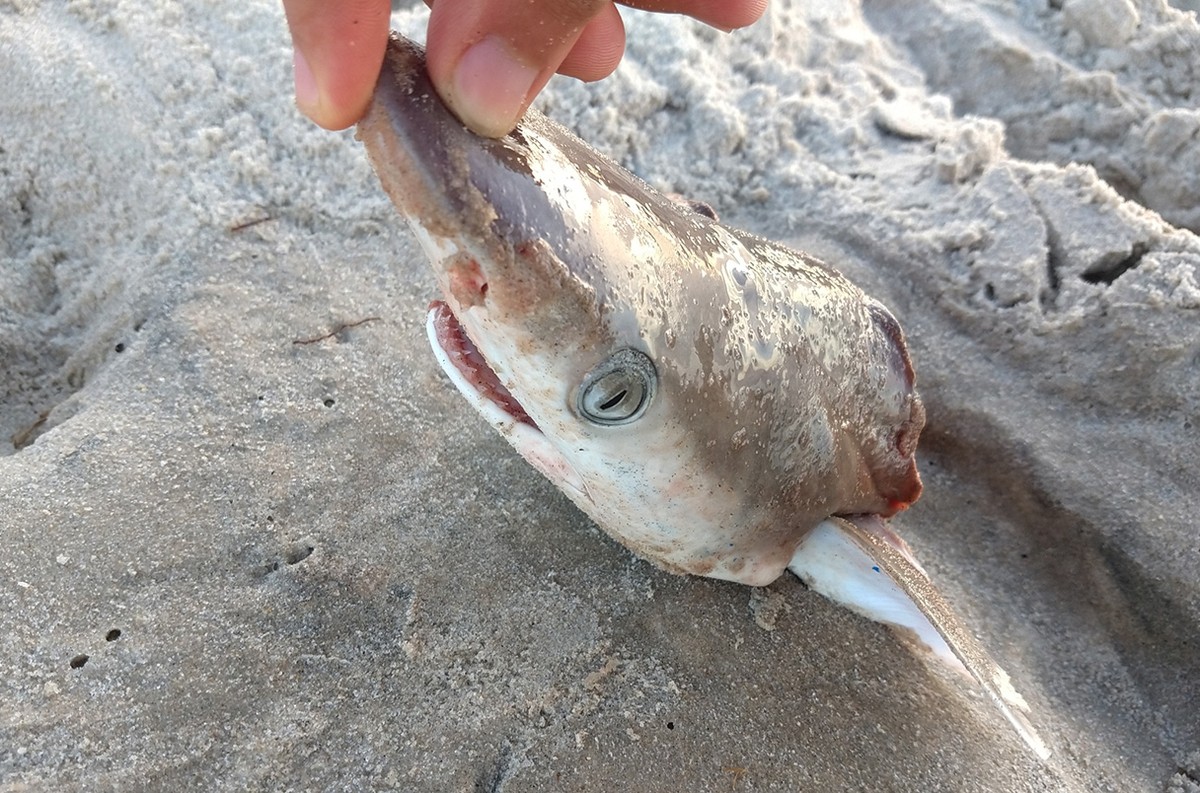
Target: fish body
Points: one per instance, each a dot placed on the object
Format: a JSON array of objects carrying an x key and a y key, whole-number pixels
[{"x": 720, "y": 404}]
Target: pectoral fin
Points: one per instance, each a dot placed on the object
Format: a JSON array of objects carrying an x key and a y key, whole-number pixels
[{"x": 863, "y": 565}]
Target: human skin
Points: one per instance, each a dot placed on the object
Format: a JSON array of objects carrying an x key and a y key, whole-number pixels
[{"x": 488, "y": 59}]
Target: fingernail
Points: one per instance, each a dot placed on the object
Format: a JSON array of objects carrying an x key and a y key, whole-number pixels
[
  {"x": 308, "y": 97},
  {"x": 490, "y": 87}
]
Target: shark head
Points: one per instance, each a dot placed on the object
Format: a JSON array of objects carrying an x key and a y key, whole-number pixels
[{"x": 706, "y": 396}]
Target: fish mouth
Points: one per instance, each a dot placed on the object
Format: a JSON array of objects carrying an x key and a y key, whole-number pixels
[
  {"x": 474, "y": 377},
  {"x": 448, "y": 336},
  {"x": 894, "y": 471}
]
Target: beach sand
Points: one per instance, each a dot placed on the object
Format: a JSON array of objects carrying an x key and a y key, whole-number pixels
[{"x": 251, "y": 538}]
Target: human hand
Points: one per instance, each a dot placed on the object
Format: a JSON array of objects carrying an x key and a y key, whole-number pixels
[{"x": 488, "y": 59}]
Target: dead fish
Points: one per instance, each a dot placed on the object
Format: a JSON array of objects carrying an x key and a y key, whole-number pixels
[{"x": 718, "y": 403}]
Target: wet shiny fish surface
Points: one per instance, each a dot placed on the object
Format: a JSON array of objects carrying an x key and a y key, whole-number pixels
[{"x": 720, "y": 404}]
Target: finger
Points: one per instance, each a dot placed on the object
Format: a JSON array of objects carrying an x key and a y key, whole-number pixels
[
  {"x": 339, "y": 51},
  {"x": 489, "y": 58},
  {"x": 598, "y": 49},
  {"x": 723, "y": 14}
]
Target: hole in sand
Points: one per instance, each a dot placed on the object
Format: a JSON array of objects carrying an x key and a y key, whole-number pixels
[
  {"x": 78, "y": 661},
  {"x": 112, "y": 635},
  {"x": 298, "y": 553}
]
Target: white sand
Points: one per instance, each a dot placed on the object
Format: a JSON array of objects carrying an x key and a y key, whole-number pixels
[{"x": 327, "y": 573}]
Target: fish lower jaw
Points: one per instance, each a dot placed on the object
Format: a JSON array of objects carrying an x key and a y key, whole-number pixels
[
  {"x": 469, "y": 370},
  {"x": 478, "y": 383}
]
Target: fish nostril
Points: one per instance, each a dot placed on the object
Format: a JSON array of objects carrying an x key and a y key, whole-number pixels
[{"x": 467, "y": 282}]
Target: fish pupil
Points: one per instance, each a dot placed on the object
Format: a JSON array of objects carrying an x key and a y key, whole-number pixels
[{"x": 614, "y": 400}]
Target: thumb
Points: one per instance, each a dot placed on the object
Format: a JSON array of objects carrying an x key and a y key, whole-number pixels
[{"x": 488, "y": 59}]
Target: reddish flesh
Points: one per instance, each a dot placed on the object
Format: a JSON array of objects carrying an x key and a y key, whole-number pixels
[{"x": 467, "y": 360}]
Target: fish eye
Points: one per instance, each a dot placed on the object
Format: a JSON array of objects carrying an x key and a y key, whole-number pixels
[{"x": 619, "y": 390}]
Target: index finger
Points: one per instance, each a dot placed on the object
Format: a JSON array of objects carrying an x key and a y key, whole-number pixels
[{"x": 339, "y": 52}]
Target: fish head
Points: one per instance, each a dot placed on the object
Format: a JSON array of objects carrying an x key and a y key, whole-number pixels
[{"x": 706, "y": 396}]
